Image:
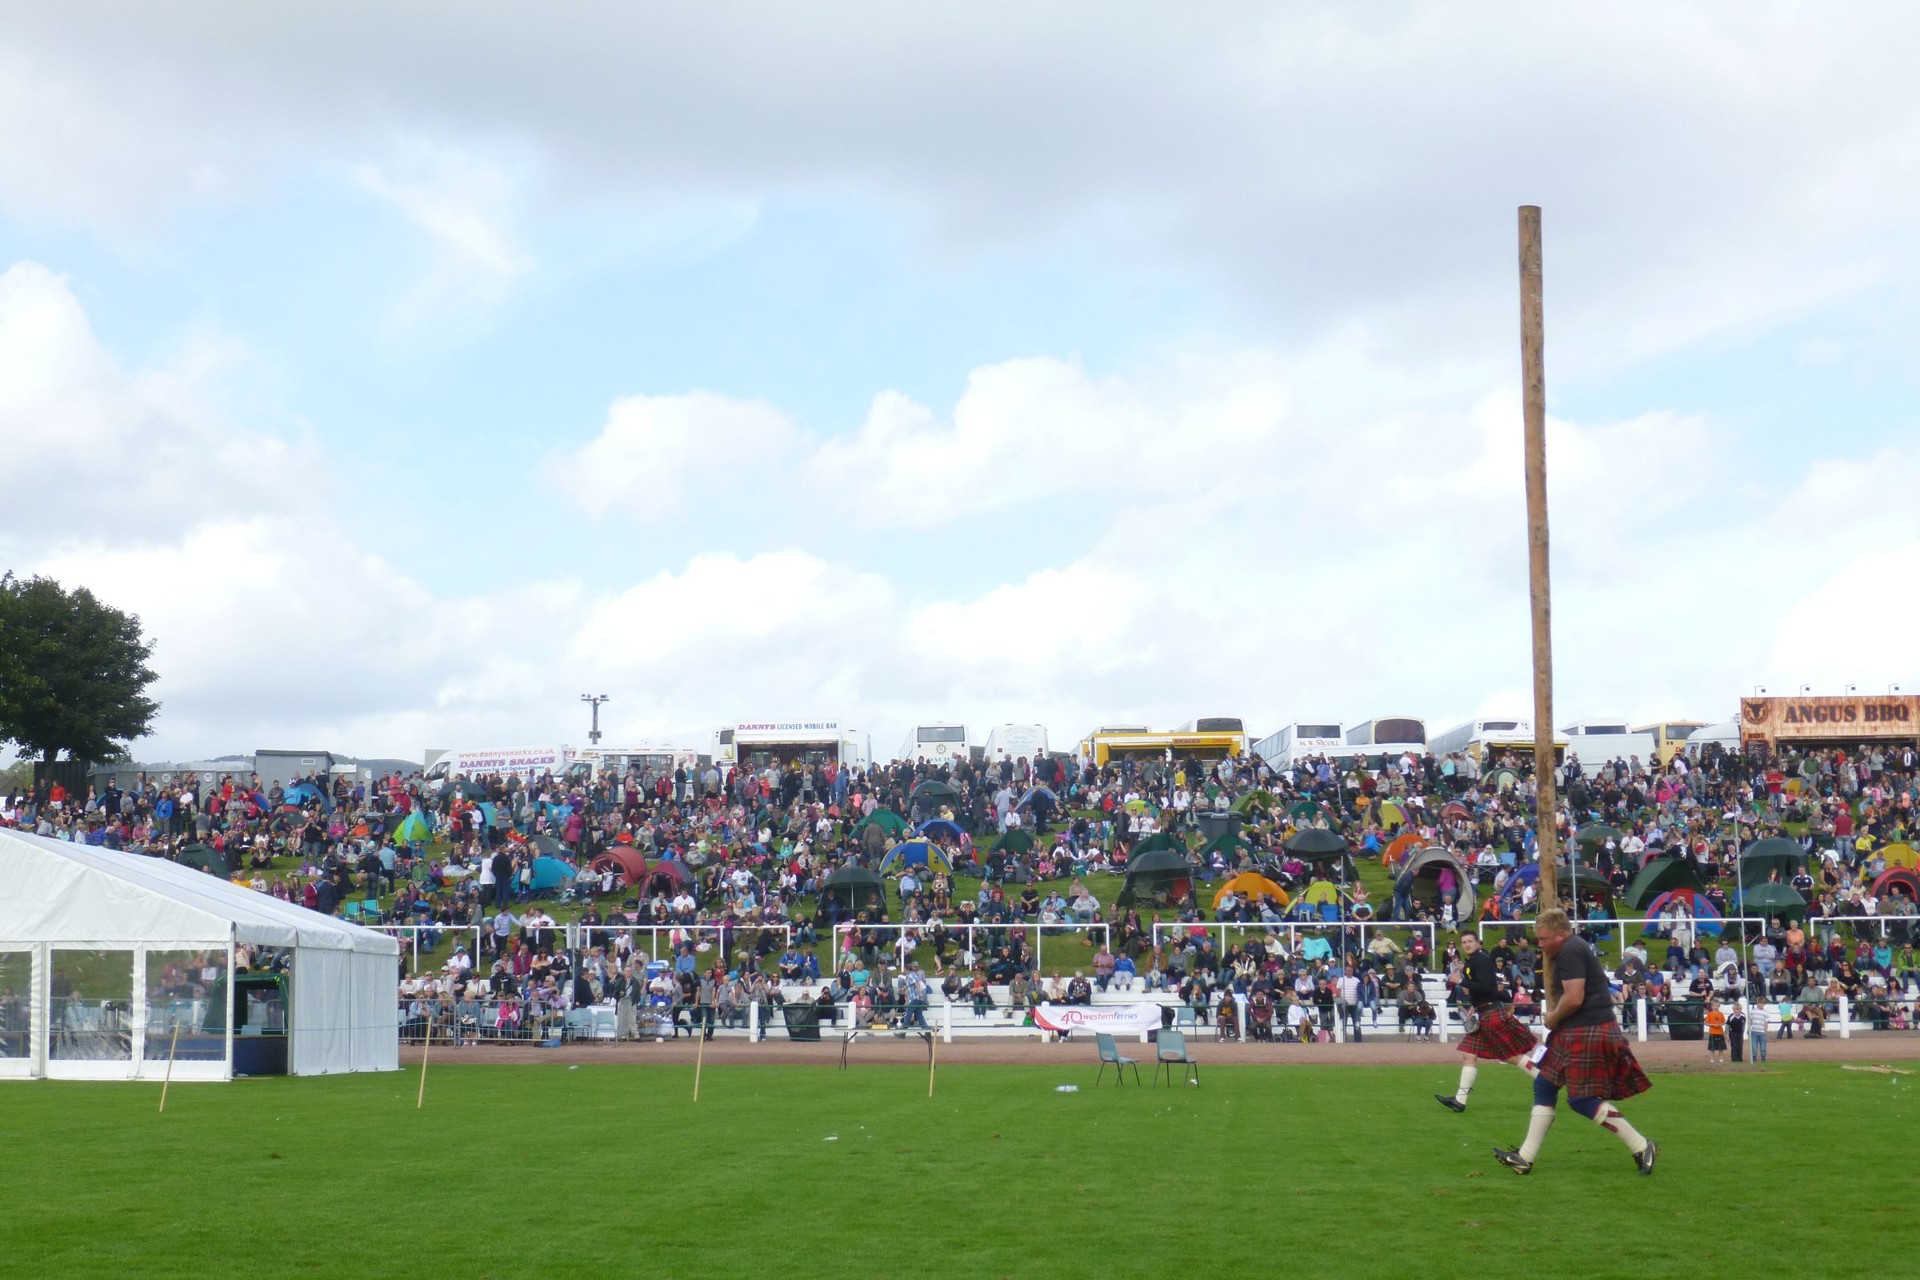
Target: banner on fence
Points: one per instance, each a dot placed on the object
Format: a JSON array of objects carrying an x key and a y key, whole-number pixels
[{"x": 1115, "y": 1019}]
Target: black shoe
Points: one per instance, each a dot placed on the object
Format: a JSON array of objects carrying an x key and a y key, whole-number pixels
[
  {"x": 1450, "y": 1102},
  {"x": 1644, "y": 1161},
  {"x": 1514, "y": 1161}
]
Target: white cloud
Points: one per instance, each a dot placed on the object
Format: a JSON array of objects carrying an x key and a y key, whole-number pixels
[
  {"x": 94, "y": 450},
  {"x": 470, "y": 207},
  {"x": 653, "y": 449},
  {"x": 1192, "y": 538},
  {"x": 1025, "y": 433},
  {"x": 1705, "y": 166}
]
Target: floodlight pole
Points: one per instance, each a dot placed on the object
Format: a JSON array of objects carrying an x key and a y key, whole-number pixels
[
  {"x": 594, "y": 700},
  {"x": 1533, "y": 377}
]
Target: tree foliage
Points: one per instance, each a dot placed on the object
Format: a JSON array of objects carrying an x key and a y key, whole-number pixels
[{"x": 73, "y": 672}]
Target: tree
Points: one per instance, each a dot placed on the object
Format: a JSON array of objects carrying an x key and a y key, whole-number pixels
[{"x": 73, "y": 672}]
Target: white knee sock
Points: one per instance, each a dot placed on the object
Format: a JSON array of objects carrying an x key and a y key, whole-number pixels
[
  {"x": 1537, "y": 1125},
  {"x": 1468, "y": 1070},
  {"x": 1608, "y": 1117},
  {"x": 1526, "y": 1064}
]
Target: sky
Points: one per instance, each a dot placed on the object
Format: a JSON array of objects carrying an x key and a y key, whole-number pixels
[{"x": 411, "y": 370}]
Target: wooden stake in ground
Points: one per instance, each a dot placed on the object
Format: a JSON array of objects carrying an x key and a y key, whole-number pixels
[
  {"x": 1533, "y": 378},
  {"x": 426, "y": 1047},
  {"x": 168, "y": 1082},
  {"x": 699, "y": 1054}
]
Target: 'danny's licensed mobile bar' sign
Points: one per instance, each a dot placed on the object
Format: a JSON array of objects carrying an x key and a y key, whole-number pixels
[{"x": 1854, "y": 719}]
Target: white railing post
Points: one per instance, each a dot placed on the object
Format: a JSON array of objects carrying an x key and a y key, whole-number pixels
[
  {"x": 753, "y": 1021},
  {"x": 1440, "y": 1018},
  {"x": 1846, "y": 1018},
  {"x": 1640, "y": 1015},
  {"x": 946, "y": 1022}
]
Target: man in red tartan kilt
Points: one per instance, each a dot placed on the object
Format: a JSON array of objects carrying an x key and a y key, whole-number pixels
[
  {"x": 1497, "y": 1035},
  {"x": 1587, "y": 1052}
]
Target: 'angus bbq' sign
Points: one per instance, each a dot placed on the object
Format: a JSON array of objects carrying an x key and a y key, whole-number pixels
[{"x": 1851, "y": 719}]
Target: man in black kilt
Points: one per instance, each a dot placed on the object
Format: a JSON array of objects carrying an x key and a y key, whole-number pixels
[
  {"x": 1587, "y": 1052},
  {"x": 1496, "y": 1035}
]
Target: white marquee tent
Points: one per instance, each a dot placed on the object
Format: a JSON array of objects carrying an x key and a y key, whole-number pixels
[{"x": 111, "y": 962}]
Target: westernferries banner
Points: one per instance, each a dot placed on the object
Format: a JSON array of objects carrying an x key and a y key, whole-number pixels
[
  {"x": 1115, "y": 1019},
  {"x": 1853, "y": 719}
]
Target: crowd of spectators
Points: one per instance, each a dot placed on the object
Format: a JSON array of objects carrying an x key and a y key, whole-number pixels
[{"x": 739, "y": 861}]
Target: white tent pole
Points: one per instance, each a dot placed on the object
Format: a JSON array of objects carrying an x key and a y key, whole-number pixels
[
  {"x": 232, "y": 1003},
  {"x": 39, "y": 1009},
  {"x": 137, "y": 1011}
]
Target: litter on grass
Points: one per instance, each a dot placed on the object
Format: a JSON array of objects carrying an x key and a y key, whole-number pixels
[{"x": 1066, "y": 1088}]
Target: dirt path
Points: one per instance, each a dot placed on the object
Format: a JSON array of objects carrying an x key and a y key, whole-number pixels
[{"x": 1655, "y": 1055}]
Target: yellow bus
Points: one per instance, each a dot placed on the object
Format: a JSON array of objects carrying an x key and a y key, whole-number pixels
[
  {"x": 1208, "y": 738},
  {"x": 1670, "y": 737}
]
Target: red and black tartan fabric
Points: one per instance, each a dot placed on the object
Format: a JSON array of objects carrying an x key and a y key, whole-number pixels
[
  {"x": 1499, "y": 1036},
  {"x": 1593, "y": 1062}
]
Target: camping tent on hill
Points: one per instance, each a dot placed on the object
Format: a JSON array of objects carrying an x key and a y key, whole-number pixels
[
  {"x": 1424, "y": 875},
  {"x": 1160, "y": 875},
  {"x": 1659, "y": 876}
]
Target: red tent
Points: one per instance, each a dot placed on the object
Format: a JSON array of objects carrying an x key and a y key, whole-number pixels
[
  {"x": 624, "y": 861},
  {"x": 1904, "y": 879}
]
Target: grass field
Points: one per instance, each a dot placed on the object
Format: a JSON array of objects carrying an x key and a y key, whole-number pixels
[{"x": 807, "y": 1171}]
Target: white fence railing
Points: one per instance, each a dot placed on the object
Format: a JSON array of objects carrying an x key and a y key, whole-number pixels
[
  {"x": 909, "y": 936},
  {"x": 1618, "y": 925},
  {"x": 1293, "y": 930}
]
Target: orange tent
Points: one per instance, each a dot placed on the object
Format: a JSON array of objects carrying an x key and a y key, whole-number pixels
[
  {"x": 1252, "y": 886},
  {"x": 1402, "y": 845}
]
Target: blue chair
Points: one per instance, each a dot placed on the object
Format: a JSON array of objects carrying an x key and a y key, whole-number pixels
[
  {"x": 1110, "y": 1056},
  {"x": 1170, "y": 1051}
]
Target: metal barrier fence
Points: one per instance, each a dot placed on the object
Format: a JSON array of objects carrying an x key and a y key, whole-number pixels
[
  {"x": 531, "y": 1022},
  {"x": 572, "y": 935}
]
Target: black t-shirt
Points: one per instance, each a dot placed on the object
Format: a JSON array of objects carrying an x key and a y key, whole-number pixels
[
  {"x": 1575, "y": 961},
  {"x": 1483, "y": 980}
]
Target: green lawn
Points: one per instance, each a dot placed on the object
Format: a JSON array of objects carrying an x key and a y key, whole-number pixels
[{"x": 808, "y": 1171}]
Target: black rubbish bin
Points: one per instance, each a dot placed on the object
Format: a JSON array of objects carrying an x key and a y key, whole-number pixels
[
  {"x": 803, "y": 1021},
  {"x": 1686, "y": 1020}
]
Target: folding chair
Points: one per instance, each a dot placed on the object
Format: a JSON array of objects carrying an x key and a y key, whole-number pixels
[
  {"x": 1170, "y": 1051},
  {"x": 1110, "y": 1056}
]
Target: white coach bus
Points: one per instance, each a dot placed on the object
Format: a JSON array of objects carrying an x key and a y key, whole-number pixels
[
  {"x": 1300, "y": 741},
  {"x": 1016, "y": 742},
  {"x": 1484, "y": 739},
  {"x": 935, "y": 744}
]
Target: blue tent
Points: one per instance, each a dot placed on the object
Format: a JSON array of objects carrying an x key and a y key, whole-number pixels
[
  {"x": 1028, "y": 798},
  {"x": 943, "y": 827},
  {"x": 551, "y": 873},
  {"x": 916, "y": 853},
  {"x": 305, "y": 793},
  {"x": 1590, "y": 881}
]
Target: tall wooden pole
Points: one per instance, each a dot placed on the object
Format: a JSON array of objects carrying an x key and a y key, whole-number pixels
[{"x": 1533, "y": 374}]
